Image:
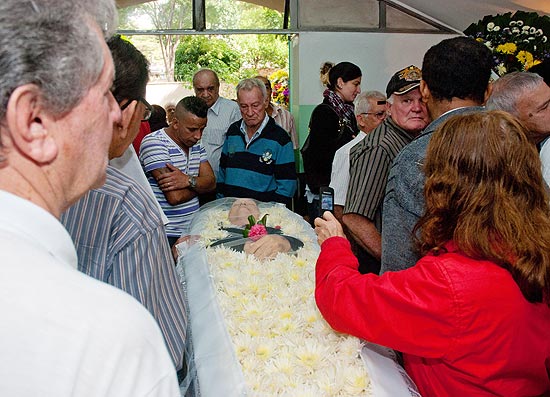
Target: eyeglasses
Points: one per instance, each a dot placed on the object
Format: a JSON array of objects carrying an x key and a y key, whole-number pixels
[
  {"x": 148, "y": 108},
  {"x": 378, "y": 115}
]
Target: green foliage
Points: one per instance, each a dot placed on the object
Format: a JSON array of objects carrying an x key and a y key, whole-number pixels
[
  {"x": 195, "y": 52},
  {"x": 233, "y": 57}
]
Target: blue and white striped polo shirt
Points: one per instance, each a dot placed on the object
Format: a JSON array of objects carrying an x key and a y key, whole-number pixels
[{"x": 158, "y": 149}]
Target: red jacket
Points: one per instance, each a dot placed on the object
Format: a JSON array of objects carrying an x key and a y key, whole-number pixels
[{"x": 462, "y": 324}]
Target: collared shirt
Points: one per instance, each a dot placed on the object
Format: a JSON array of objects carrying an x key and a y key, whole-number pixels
[
  {"x": 404, "y": 199},
  {"x": 264, "y": 169},
  {"x": 129, "y": 164},
  {"x": 257, "y": 133},
  {"x": 120, "y": 240},
  {"x": 370, "y": 162},
  {"x": 158, "y": 149},
  {"x": 38, "y": 227},
  {"x": 67, "y": 329},
  {"x": 285, "y": 119},
  {"x": 221, "y": 115},
  {"x": 339, "y": 177}
]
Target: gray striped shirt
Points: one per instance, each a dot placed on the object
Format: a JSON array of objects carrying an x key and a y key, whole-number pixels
[
  {"x": 120, "y": 240},
  {"x": 221, "y": 115},
  {"x": 370, "y": 162}
]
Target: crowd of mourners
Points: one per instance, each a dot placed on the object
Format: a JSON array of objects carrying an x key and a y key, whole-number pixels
[{"x": 437, "y": 243}]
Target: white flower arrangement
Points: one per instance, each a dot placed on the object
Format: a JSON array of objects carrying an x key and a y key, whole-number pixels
[{"x": 283, "y": 344}]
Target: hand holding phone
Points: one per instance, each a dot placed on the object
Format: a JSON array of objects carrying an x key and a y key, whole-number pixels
[{"x": 326, "y": 199}]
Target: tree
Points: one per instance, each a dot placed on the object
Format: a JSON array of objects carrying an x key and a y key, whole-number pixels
[
  {"x": 195, "y": 52},
  {"x": 172, "y": 14},
  {"x": 254, "y": 51}
]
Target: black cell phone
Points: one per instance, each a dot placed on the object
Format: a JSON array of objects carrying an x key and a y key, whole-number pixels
[{"x": 326, "y": 199}]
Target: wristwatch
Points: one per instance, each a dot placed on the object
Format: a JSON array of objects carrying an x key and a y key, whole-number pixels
[{"x": 192, "y": 181}]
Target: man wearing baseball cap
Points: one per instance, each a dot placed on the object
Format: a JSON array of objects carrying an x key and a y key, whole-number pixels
[
  {"x": 455, "y": 80},
  {"x": 370, "y": 162}
]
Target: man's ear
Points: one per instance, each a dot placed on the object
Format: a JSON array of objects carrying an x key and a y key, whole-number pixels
[
  {"x": 27, "y": 123},
  {"x": 359, "y": 119},
  {"x": 424, "y": 91}
]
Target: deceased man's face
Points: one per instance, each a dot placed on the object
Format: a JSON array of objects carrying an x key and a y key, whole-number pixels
[{"x": 241, "y": 210}]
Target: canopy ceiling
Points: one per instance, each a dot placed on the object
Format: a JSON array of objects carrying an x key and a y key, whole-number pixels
[
  {"x": 457, "y": 14},
  {"x": 460, "y": 14}
]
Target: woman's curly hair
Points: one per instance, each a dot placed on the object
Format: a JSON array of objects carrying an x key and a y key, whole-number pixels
[{"x": 484, "y": 190}]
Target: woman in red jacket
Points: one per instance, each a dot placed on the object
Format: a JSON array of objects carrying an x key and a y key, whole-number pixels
[{"x": 472, "y": 317}]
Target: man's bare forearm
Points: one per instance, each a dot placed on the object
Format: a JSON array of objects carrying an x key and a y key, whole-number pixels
[{"x": 364, "y": 232}]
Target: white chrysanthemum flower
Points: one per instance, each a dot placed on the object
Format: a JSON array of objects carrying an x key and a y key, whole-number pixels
[
  {"x": 539, "y": 32},
  {"x": 490, "y": 26},
  {"x": 311, "y": 353},
  {"x": 243, "y": 344},
  {"x": 330, "y": 381},
  {"x": 496, "y": 29},
  {"x": 281, "y": 364},
  {"x": 356, "y": 381},
  {"x": 264, "y": 350},
  {"x": 349, "y": 347}
]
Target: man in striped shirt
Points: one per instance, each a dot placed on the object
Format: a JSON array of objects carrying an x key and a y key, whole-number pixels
[
  {"x": 370, "y": 111},
  {"x": 177, "y": 167},
  {"x": 370, "y": 162},
  {"x": 117, "y": 229},
  {"x": 257, "y": 157}
]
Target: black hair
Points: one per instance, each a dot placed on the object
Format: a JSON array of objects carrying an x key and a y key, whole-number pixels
[
  {"x": 158, "y": 118},
  {"x": 458, "y": 67},
  {"x": 131, "y": 69},
  {"x": 194, "y": 105},
  {"x": 346, "y": 70}
]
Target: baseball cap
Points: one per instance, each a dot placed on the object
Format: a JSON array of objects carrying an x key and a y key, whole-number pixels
[{"x": 403, "y": 81}]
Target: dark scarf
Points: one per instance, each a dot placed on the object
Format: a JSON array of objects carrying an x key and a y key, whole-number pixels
[{"x": 343, "y": 110}]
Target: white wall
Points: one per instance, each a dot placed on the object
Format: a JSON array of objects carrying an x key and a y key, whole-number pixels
[
  {"x": 161, "y": 93},
  {"x": 379, "y": 55}
]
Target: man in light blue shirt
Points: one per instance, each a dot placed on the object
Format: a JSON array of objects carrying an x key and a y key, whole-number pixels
[{"x": 222, "y": 113}]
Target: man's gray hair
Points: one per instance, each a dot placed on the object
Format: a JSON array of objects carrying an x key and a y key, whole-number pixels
[
  {"x": 52, "y": 44},
  {"x": 364, "y": 100},
  {"x": 510, "y": 88},
  {"x": 250, "y": 84}
]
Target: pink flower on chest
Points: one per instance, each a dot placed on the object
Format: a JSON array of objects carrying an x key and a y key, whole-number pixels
[{"x": 257, "y": 231}]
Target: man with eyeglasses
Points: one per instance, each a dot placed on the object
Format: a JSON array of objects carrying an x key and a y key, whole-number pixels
[
  {"x": 117, "y": 228},
  {"x": 370, "y": 111},
  {"x": 177, "y": 166},
  {"x": 370, "y": 162}
]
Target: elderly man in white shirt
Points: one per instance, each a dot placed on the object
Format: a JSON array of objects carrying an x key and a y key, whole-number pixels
[
  {"x": 370, "y": 111},
  {"x": 63, "y": 333},
  {"x": 222, "y": 112}
]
